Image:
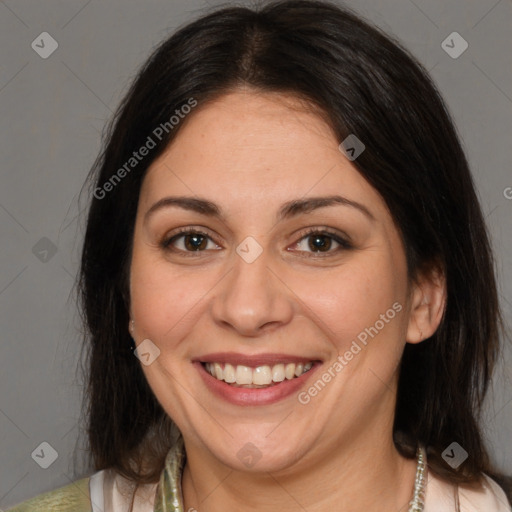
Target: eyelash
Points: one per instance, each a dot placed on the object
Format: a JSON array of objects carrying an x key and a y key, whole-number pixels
[{"x": 343, "y": 243}]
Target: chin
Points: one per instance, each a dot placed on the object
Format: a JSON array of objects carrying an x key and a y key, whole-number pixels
[{"x": 257, "y": 451}]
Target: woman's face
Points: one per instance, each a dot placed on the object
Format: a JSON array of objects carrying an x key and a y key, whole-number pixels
[{"x": 290, "y": 261}]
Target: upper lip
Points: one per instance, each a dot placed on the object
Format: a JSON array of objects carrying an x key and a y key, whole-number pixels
[{"x": 254, "y": 360}]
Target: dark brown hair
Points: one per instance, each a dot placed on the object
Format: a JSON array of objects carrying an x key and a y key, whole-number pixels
[{"x": 364, "y": 83}]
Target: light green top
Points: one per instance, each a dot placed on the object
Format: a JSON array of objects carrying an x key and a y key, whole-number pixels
[
  {"x": 71, "y": 498},
  {"x": 75, "y": 497}
]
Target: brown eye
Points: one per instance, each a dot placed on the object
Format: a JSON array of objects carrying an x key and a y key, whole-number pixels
[
  {"x": 321, "y": 241},
  {"x": 189, "y": 241},
  {"x": 195, "y": 242}
]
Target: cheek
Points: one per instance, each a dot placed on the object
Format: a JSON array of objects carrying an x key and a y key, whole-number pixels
[
  {"x": 165, "y": 301},
  {"x": 351, "y": 298}
]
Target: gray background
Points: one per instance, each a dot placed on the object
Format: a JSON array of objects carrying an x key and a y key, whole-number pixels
[{"x": 52, "y": 112}]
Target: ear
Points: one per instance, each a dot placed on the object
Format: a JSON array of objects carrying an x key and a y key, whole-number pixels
[{"x": 428, "y": 301}]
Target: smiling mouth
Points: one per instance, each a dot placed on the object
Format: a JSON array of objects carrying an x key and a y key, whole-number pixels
[{"x": 260, "y": 377}]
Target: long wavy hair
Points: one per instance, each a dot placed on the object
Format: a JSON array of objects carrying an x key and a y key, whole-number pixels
[{"x": 361, "y": 82}]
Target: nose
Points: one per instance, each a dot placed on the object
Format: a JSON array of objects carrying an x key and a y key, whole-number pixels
[{"x": 252, "y": 298}]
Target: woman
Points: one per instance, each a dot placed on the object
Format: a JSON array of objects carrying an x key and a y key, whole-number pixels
[{"x": 285, "y": 233}]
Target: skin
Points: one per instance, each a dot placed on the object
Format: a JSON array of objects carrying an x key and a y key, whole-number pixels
[{"x": 250, "y": 152}]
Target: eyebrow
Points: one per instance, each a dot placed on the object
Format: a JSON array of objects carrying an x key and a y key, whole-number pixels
[{"x": 287, "y": 210}]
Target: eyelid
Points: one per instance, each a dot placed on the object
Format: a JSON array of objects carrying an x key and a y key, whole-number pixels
[
  {"x": 324, "y": 230},
  {"x": 165, "y": 242},
  {"x": 342, "y": 239}
]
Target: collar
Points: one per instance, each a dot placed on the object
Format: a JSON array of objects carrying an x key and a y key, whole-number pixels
[{"x": 169, "y": 497}]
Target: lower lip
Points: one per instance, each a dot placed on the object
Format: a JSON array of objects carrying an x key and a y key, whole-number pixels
[{"x": 254, "y": 396}]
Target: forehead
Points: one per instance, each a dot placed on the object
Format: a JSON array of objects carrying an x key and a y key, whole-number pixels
[{"x": 252, "y": 148}]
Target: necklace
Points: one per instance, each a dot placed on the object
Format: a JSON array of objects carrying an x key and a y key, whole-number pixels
[{"x": 418, "y": 499}]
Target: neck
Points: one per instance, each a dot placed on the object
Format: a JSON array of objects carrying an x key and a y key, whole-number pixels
[{"x": 365, "y": 474}]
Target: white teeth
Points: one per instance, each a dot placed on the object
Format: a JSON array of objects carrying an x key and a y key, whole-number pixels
[
  {"x": 278, "y": 373},
  {"x": 243, "y": 375},
  {"x": 265, "y": 375},
  {"x": 218, "y": 371},
  {"x": 261, "y": 375},
  {"x": 229, "y": 374},
  {"x": 289, "y": 371}
]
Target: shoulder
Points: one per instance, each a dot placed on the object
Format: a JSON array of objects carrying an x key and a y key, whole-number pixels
[
  {"x": 491, "y": 498},
  {"x": 74, "y": 497},
  {"x": 103, "y": 491},
  {"x": 443, "y": 496}
]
